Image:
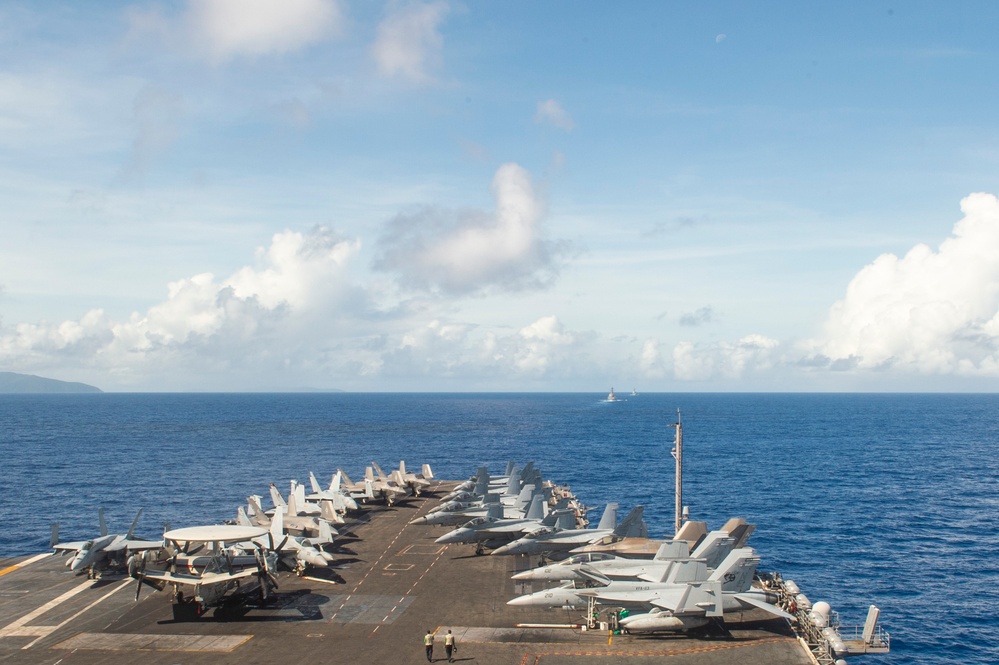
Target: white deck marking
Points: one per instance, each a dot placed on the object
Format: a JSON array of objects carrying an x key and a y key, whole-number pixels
[
  {"x": 19, "y": 627},
  {"x": 24, "y": 563}
]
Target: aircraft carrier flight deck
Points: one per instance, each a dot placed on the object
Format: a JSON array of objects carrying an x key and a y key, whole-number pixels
[{"x": 391, "y": 584}]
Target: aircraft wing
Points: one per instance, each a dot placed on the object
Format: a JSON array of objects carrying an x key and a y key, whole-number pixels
[
  {"x": 750, "y": 599},
  {"x": 74, "y": 546},
  {"x": 136, "y": 545},
  {"x": 629, "y": 596},
  {"x": 207, "y": 578}
]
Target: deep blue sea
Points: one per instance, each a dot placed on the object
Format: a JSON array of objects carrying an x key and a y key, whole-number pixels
[{"x": 862, "y": 499}]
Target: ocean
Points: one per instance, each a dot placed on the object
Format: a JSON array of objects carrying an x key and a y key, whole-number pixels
[{"x": 885, "y": 499}]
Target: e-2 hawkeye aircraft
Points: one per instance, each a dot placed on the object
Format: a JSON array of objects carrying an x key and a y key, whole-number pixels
[{"x": 198, "y": 564}]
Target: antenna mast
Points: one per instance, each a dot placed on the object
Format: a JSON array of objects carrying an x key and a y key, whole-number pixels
[{"x": 678, "y": 456}]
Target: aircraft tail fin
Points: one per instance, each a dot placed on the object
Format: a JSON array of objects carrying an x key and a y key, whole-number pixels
[
  {"x": 100, "y": 518},
  {"x": 481, "y": 487},
  {"x": 277, "y": 529},
  {"x": 737, "y": 570},
  {"x": 54, "y": 540},
  {"x": 566, "y": 520},
  {"x": 300, "y": 496},
  {"x": 276, "y": 497},
  {"x": 631, "y": 525},
  {"x": 261, "y": 516},
  {"x": 536, "y": 510},
  {"x": 368, "y": 490},
  {"x": 402, "y": 467},
  {"x": 131, "y": 529},
  {"x": 242, "y": 518},
  {"x": 609, "y": 520},
  {"x": 673, "y": 550},
  {"x": 369, "y": 474},
  {"x": 335, "y": 482},
  {"x": 378, "y": 470},
  {"x": 714, "y": 548},
  {"x": 345, "y": 478},
  {"x": 686, "y": 572},
  {"x": 325, "y": 532},
  {"x": 397, "y": 478},
  {"x": 692, "y": 532},
  {"x": 292, "y": 504},
  {"x": 513, "y": 484},
  {"x": 316, "y": 487},
  {"x": 495, "y": 510},
  {"x": 524, "y": 499},
  {"x": 428, "y": 473},
  {"x": 327, "y": 513},
  {"x": 509, "y": 468}
]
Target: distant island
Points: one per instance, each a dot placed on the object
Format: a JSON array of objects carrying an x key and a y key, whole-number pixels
[{"x": 11, "y": 382}]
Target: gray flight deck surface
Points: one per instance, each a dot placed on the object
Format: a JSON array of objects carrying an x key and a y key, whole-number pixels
[{"x": 393, "y": 584}]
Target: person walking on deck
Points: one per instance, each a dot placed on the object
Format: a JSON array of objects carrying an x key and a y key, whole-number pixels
[
  {"x": 449, "y": 646},
  {"x": 428, "y": 641}
]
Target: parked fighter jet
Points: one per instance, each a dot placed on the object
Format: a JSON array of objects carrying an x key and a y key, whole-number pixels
[
  {"x": 547, "y": 540},
  {"x": 460, "y": 513},
  {"x": 579, "y": 567},
  {"x": 686, "y": 599},
  {"x": 103, "y": 552},
  {"x": 361, "y": 490},
  {"x": 294, "y": 552},
  {"x": 383, "y": 487},
  {"x": 204, "y": 580},
  {"x": 416, "y": 482},
  {"x": 494, "y": 530},
  {"x": 298, "y": 525},
  {"x": 341, "y": 498}
]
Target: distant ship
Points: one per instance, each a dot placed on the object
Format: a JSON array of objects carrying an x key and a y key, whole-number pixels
[
  {"x": 611, "y": 397},
  {"x": 634, "y": 393}
]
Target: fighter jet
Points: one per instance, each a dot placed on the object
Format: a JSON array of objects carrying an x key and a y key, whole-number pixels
[
  {"x": 687, "y": 598},
  {"x": 389, "y": 489},
  {"x": 494, "y": 530},
  {"x": 460, "y": 513},
  {"x": 103, "y": 552},
  {"x": 416, "y": 482},
  {"x": 579, "y": 567},
  {"x": 204, "y": 580},
  {"x": 294, "y": 552},
  {"x": 361, "y": 490},
  {"x": 341, "y": 499},
  {"x": 298, "y": 525},
  {"x": 547, "y": 540}
]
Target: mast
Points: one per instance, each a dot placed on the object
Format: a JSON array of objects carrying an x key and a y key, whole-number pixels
[{"x": 678, "y": 456}]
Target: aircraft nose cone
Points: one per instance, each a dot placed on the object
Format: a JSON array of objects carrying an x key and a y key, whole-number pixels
[
  {"x": 419, "y": 520},
  {"x": 522, "y": 601},
  {"x": 510, "y": 548},
  {"x": 526, "y": 575}
]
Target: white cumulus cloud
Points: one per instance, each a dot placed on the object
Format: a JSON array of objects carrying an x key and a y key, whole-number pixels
[
  {"x": 467, "y": 251},
  {"x": 220, "y": 30},
  {"x": 725, "y": 360},
  {"x": 550, "y": 111},
  {"x": 931, "y": 312},
  {"x": 409, "y": 42},
  {"x": 257, "y": 311}
]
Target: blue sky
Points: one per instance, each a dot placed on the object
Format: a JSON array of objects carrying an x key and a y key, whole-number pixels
[{"x": 251, "y": 195}]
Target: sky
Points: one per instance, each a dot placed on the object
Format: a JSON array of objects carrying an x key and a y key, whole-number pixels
[{"x": 255, "y": 195}]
